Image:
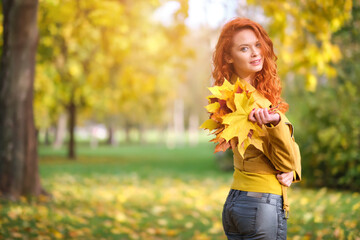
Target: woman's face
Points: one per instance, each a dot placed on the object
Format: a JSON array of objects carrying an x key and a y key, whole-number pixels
[{"x": 246, "y": 55}]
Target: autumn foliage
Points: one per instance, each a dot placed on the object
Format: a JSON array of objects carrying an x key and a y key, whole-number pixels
[
  {"x": 229, "y": 107},
  {"x": 175, "y": 195}
]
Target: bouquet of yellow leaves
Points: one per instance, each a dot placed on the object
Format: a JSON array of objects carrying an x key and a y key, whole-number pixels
[{"x": 229, "y": 108}]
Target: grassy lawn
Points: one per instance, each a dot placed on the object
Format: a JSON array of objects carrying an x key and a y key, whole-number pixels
[{"x": 151, "y": 192}]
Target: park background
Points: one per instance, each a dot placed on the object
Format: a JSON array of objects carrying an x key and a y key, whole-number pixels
[{"x": 117, "y": 96}]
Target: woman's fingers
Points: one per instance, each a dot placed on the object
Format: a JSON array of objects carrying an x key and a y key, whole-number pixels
[
  {"x": 285, "y": 178},
  {"x": 284, "y": 182},
  {"x": 251, "y": 116},
  {"x": 258, "y": 116},
  {"x": 262, "y": 116},
  {"x": 266, "y": 114}
]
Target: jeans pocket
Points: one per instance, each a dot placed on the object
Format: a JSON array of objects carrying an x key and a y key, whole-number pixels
[{"x": 244, "y": 218}]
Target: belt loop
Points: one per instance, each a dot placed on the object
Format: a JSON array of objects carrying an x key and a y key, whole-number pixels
[
  {"x": 236, "y": 194},
  {"x": 232, "y": 195},
  {"x": 268, "y": 200}
]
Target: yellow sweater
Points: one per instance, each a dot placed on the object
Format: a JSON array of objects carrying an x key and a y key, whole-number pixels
[{"x": 256, "y": 171}]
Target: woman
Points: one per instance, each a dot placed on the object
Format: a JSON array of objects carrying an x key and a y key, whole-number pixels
[{"x": 256, "y": 207}]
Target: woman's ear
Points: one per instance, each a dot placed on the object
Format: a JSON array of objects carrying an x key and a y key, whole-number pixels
[{"x": 228, "y": 58}]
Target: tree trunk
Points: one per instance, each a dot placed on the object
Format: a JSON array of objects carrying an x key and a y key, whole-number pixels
[
  {"x": 162, "y": 135},
  {"x": 170, "y": 137},
  {"x": 60, "y": 131},
  {"x": 179, "y": 123},
  {"x": 142, "y": 133},
  {"x": 47, "y": 141},
  {"x": 19, "y": 175},
  {"x": 193, "y": 129},
  {"x": 127, "y": 128},
  {"x": 111, "y": 138},
  {"x": 72, "y": 124},
  {"x": 93, "y": 136}
]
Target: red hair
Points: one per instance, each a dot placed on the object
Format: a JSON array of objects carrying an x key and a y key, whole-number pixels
[{"x": 266, "y": 81}]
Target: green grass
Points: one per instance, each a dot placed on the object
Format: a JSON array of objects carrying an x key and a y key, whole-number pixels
[
  {"x": 151, "y": 192},
  {"x": 146, "y": 161}
]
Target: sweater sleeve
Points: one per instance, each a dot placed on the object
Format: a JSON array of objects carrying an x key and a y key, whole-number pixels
[{"x": 282, "y": 149}]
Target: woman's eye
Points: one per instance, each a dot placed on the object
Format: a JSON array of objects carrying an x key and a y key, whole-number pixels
[
  {"x": 244, "y": 49},
  {"x": 258, "y": 45}
]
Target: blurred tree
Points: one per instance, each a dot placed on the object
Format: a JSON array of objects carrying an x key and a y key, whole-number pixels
[
  {"x": 141, "y": 75},
  {"x": 331, "y": 137},
  {"x": 68, "y": 58},
  {"x": 18, "y": 147},
  {"x": 198, "y": 75},
  {"x": 348, "y": 39},
  {"x": 301, "y": 32},
  {"x": 107, "y": 61}
]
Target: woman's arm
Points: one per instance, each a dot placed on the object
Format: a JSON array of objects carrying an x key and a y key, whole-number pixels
[{"x": 281, "y": 147}]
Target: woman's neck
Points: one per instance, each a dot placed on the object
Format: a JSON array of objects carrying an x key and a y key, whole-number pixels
[{"x": 248, "y": 78}]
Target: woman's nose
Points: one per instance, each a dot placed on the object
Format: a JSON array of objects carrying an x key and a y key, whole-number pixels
[{"x": 254, "y": 52}]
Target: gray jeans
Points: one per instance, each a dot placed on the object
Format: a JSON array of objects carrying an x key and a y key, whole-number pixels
[{"x": 249, "y": 215}]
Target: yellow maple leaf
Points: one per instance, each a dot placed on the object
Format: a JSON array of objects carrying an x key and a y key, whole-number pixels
[
  {"x": 222, "y": 146},
  {"x": 210, "y": 124},
  {"x": 261, "y": 101},
  {"x": 215, "y": 92},
  {"x": 213, "y": 107},
  {"x": 238, "y": 123},
  {"x": 228, "y": 100},
  {"x": 220, "y": 92},
  {"x": 211, "y": 98},
  {"x": 254, "y": 139},
  {"x": 229, "y": 107}
]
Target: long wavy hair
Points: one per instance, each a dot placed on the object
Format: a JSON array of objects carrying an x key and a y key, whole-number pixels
[{"x": 266, "y": 81}]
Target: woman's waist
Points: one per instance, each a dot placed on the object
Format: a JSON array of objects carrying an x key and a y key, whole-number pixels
[
  {"x": 269, "y": 198},
  {"x": 256, "y": 182}
]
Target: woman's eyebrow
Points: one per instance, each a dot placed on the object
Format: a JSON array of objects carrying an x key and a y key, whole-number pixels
[{"x": 248, "y": 44}]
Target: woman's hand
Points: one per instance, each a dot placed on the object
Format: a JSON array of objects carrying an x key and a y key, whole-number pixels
[
  {"x": 262, "y": 116},
  {"x": 285, "y": 178}
]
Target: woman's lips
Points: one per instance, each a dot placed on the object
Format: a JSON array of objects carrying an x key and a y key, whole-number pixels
[{"x": 256, "y": 62}]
